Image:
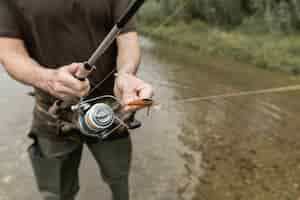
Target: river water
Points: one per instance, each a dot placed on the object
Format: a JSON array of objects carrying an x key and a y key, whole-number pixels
[{"x": 241, "y": 148}]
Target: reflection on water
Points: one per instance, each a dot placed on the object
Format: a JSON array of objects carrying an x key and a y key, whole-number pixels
[{"x": 234, "y": 148}]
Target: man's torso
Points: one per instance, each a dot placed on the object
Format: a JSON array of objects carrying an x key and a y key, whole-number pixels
[{"x": 60, "y": 32}]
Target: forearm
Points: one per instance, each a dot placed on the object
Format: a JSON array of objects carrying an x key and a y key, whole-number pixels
[
  {"x": 19, "y": 65},
  {"x": 127, "y": 86},
  {"x": 60, "y": 82},
  {"x": 129, "y": 53}
]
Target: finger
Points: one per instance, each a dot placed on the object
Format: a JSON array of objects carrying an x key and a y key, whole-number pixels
[
  {"x": 70, "y": 81},
  {"x": 83, "y": 85},
  {"x": 117, "y": 92},
  {"x": 145, "y": 92},
  {"x": 129, "y": 97},
  {"x": 82, "y": 72},
  {"x": 131, "y": 108},
  {"x": 86, "y": 85},
  {"x": 85, "y": 91},
  {"x": 65, "y": 91},
  {"x": 65, "y": 97},
  {"x": 73, "y": 70},
  {"x": 74, "y": 67}
]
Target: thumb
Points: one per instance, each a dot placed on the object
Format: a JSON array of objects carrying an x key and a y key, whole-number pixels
[
  {"x": 146, "y": 92},
  {"x": 74, "y": 68}
]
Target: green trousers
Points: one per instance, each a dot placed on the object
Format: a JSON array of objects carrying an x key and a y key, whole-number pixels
[{"x": 56, "y": 164}]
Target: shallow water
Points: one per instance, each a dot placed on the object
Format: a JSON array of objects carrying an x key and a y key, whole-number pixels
[
  {"x": 232, "y": 148},
  {"x": 241, "y": 148}
]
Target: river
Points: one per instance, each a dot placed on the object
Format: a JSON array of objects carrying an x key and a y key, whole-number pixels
[{"x": 239, "y": 148}]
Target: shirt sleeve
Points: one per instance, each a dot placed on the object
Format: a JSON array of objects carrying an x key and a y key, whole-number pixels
[
  {"x": 8, "y": 20},
  {"x": 118, "y": 9}
]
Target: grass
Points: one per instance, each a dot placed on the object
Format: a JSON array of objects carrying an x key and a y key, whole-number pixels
[{"x": 265, "y": 50}]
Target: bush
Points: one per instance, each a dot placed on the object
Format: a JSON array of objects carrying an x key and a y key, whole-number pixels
[
  {"x": 276, "y": 15},
  {"x": 261, "y": 32},
  {"x": 151, "y": 13}
]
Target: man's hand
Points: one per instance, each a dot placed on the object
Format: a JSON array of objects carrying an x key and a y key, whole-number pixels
[
  {"x": 59, "y": 83},
  {"x": 62, "y": 83},
  {"x": 129, "y": 88}
]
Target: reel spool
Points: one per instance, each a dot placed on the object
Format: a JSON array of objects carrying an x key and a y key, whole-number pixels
[
  {"x": 99, "y": 118},
  {"x": 102, "y": 116}
]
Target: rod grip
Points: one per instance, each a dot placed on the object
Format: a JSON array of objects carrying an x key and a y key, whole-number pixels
[
  {"x": 81, "y": 75},
  {"x": 83, "y": 72}
]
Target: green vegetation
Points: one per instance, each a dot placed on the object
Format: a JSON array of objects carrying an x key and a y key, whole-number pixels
[{"x": 260, "y": 32}]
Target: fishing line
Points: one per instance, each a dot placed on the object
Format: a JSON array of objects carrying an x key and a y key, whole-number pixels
[
  {"x": 235, "y": 94},
  {"x": 172, "y": 16},
  {"x": 221, "y": 96},
  {"x": 245, "y": 93},
  {"x": 195, "y": 99}
]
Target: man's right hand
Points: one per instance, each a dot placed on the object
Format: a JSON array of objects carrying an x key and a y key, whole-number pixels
[{"x": 62, "y": 83}]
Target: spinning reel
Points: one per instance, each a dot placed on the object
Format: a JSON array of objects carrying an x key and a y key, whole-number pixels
[{"x": 103, "y": 116}]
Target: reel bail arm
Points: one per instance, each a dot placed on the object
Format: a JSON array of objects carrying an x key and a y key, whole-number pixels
[{"x": 103, "y": 116}]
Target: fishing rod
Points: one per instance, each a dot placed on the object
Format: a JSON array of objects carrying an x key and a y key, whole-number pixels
[
  {"x": 90, "y": 65},
  {"x": 102, "y": 116}
]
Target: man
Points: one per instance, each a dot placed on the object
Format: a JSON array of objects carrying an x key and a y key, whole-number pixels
[{"x": 40, "y": 42}]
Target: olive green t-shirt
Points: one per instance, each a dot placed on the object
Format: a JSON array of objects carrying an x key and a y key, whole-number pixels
[{"x": 60, "y": 32}]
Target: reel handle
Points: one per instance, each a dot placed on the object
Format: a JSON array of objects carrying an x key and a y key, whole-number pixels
[{"x": 81, "y": 75}]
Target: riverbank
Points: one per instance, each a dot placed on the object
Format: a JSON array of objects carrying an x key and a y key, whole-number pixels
[{"x": 265, "y": 50}]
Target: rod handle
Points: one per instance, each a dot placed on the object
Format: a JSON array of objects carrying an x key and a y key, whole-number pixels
[
  {"x": 83, "y": 72},
  {"x": 81, "y": 75}
]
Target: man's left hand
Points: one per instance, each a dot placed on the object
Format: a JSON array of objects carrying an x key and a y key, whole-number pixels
[{"x": 129, "y": 88}]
